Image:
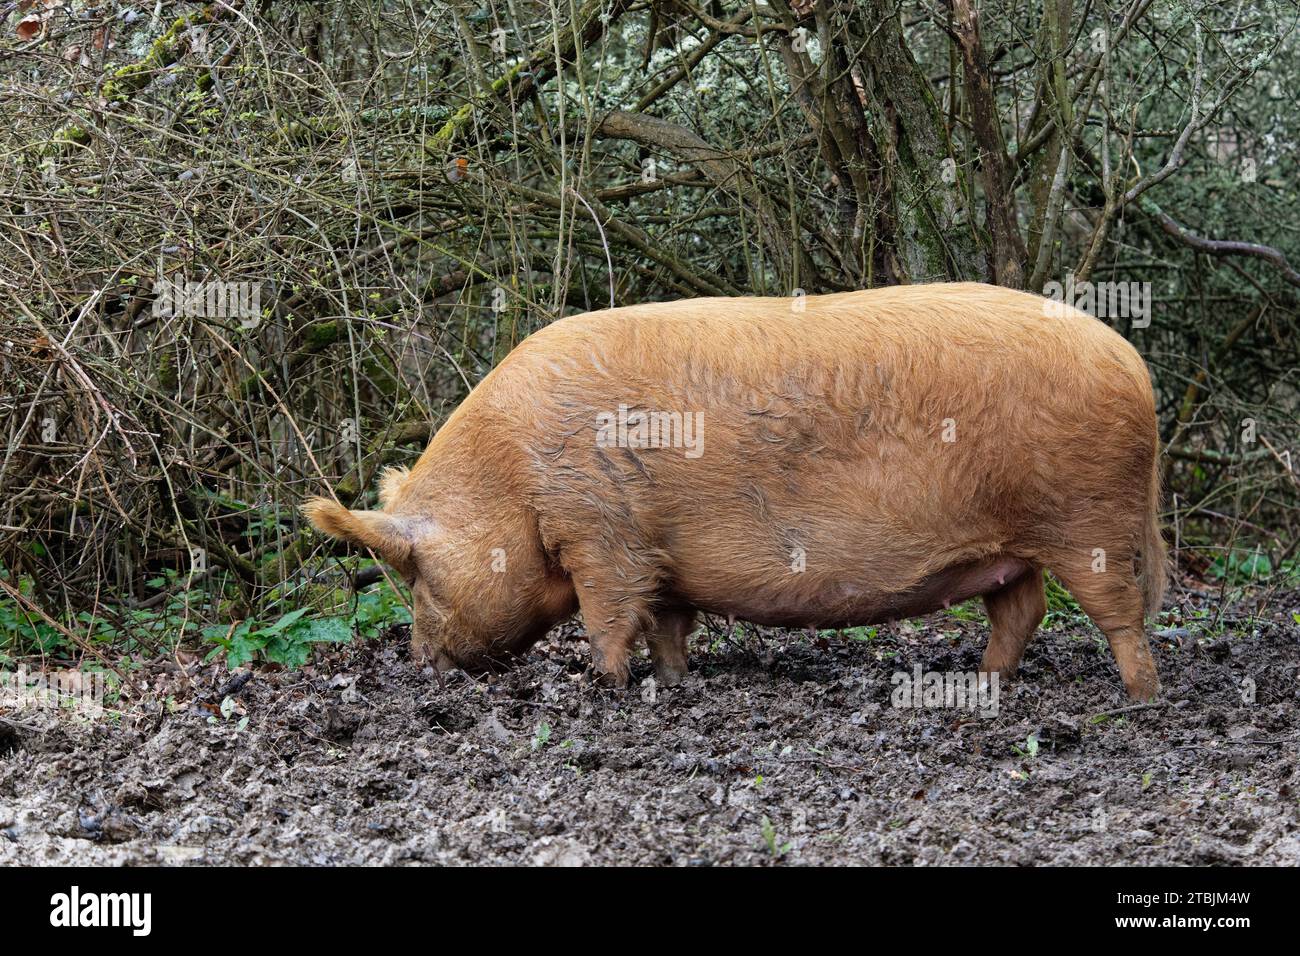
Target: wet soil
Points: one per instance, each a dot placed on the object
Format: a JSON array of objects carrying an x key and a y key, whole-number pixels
[{"x": 780, "y": 748}]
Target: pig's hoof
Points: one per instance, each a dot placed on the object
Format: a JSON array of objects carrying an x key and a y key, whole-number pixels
[
  {"x": 669, "y": 674},
  {"x": 1005, "y": 671},
  {"x": 1141, "y": 681},
  {"x": 1144, "y": 691}
]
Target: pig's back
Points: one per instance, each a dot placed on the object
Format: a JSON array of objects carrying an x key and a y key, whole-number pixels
[{"x": 927, "y": 344}]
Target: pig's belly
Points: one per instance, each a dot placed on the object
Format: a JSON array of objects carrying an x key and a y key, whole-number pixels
[{"x": 848, "y": 603}]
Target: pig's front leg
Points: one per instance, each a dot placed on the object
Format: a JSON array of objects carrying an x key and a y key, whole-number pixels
[
  {"x": 612, "y": 628},
  {"x": 667, "y": 643},
  {"x": 616, "y": 593}
]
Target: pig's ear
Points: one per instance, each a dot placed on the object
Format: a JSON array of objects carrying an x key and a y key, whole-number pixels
[
  {"x": 390, "y": 483},
  {"x": 381, "y": 533}
]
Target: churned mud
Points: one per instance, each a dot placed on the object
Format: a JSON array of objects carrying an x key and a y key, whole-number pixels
[{"x": 780, "y": 748}]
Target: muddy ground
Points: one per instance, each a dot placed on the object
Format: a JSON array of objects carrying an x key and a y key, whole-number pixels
[{"x": 363, "y": 759}]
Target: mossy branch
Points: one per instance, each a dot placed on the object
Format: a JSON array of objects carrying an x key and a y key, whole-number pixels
[
  {"x": 126, "y": 81},
  {"x": 591, "y": 21}
]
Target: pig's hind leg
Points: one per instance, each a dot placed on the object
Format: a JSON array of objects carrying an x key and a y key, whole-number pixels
[
  {"x": 1109, "y": 594},
  {"x": 667, "y": 643}
]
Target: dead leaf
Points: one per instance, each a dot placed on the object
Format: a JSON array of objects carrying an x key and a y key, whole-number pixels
[{"x": 30, "y": 27}]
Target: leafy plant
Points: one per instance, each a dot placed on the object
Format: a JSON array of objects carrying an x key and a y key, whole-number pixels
[
  {"x": 1059, "y": 600},
  {"x": 542, "y": 735},
  {"x": 1031, "y": 747},
  {"x": 1240, "y": 565},
  {"x": 26, "y": 633},
  {"x": 967, "y": 611},
  {"x": 777, "y": 850},
  {"x": 287, "y": 641},
  {"x": 377, "y": 610},
  {"x": 228, "y": 709}
]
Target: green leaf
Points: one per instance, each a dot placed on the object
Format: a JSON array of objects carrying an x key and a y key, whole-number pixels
[
  {"x": 332, "y": 630},
  {"x": 243, "y": 646},
  {"x": 287, "y": 620}
]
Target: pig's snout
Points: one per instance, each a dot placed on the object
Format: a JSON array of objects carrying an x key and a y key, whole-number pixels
[
  {"x": 425, "y": 653},
  {"x": 444, "y": 659},
  {"x": 441, "y": 662}
]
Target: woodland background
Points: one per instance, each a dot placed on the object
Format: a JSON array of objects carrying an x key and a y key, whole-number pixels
[{"x": 412, "y": 188}]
